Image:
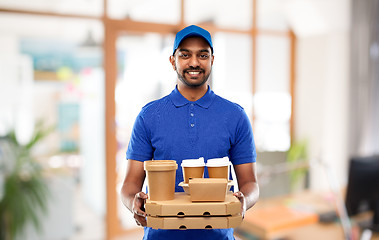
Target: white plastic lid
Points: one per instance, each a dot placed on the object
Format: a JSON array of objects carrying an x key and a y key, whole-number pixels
[
  {"x": 193, "y": 162},
  {"x": 218, "y": 162}
]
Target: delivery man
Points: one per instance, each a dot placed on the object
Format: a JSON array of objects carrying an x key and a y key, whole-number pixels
[{"x": 191, "y": 122}]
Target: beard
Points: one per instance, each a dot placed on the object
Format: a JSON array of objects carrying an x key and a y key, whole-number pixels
[{"x": 196, "y": 84}]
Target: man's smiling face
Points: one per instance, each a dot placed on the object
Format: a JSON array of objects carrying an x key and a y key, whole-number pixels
[{"x": 193, "y": 61}]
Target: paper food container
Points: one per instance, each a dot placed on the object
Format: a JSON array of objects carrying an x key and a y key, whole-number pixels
[
  {"x": 161, "y": 178},
  {"x": 186, "y": 188},
  {"x": 208, "y": 189}
]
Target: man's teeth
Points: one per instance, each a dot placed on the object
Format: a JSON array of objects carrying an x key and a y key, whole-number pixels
[{"x": 192, "y": 73}]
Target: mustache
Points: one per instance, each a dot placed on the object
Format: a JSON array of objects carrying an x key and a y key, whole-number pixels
[{"x": 192, "y": 69}]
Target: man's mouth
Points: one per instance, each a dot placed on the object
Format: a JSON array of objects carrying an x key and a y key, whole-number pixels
[{"x": 193, "y": 73}]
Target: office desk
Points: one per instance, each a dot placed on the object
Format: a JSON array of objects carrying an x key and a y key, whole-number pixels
[{"x": 292, "y": 217}]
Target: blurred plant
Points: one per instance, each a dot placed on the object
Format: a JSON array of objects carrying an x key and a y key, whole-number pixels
[
  {"x": 23, "y": 189},
  {"x": 297, "y": 156}
]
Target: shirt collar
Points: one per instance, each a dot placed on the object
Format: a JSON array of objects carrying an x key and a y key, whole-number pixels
[{"x": 179, "y": 100}]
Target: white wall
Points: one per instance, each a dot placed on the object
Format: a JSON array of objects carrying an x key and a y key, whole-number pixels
[
  {"x": 322, "y": 102},
  {"x": 322, "y": 95}
]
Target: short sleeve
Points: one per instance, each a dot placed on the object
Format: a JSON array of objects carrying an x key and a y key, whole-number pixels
[
  {"x": 140, "y": 147},
  {"x": 243, "y": 147}
]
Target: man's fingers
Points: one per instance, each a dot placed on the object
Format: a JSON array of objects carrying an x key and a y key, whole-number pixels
[
  {"x": 138, "y": 208},
  {"x": 138, "y": 223},
  {"x": 238, "y": 194},
  {"x": 141, "y": 221},
  {"x": 241, "y": 197},
  {"x": 139, "y": 212},
  {"x": 141, "y": 195}
]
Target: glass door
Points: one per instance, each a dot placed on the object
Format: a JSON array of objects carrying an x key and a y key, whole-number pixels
[{"x": 144, "y": 74}]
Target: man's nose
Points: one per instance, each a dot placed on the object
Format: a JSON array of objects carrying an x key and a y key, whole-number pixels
[{"x": 194, "y": 62}]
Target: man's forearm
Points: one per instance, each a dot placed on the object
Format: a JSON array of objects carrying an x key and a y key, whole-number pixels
[
  {"x": 128, "y": 193},
  {"x": 251, "y": 192},
  {"x": 133, "y": 183}
]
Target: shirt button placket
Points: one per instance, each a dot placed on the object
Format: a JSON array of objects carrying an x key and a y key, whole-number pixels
[{"x": 192, "y": 116}]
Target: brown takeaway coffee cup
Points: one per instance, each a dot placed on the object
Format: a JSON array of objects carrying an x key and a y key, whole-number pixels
[
  {"x": 218, "y": 167},
  {"x": 193, "y": 168},
  {"x": 161, "y": 179}
]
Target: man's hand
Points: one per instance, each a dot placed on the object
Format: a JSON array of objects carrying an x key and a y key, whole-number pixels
[
  {"x": 241, "y": 197},
  {"x": 139, "y": 208},
  {"x": 247, "y": 184},
  {"x": 131, "y": 194}
]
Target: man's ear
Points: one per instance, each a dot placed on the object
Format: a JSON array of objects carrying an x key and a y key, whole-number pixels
[{"x": 172, "y": 61}]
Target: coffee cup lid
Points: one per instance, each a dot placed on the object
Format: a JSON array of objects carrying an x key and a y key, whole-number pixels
[
  {"x": 218, "y": 162},
  {"x": 193, "y": 162},
  {"x": 160, "y": 165}
]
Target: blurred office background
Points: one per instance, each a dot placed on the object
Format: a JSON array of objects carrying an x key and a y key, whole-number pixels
[{"x": 305, "y": 71}]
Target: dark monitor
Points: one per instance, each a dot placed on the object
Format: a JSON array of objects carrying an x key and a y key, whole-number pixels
[{"x": 363, "y": 189}]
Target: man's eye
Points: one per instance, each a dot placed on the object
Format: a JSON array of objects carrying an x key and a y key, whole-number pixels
[
  {"x": 184, "y": 55},
  {"x": 204, "y": 56}
]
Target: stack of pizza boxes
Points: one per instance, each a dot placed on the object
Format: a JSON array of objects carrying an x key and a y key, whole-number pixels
[{"x": 206, "y": 203}]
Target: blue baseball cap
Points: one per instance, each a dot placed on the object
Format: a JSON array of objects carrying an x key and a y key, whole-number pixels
[{"x": 192, "y": 31}]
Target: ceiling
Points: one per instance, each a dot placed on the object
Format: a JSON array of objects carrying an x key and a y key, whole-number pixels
[{"x": 304, "y": 17}]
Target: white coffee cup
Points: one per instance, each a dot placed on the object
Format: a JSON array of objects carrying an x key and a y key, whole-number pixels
[
  {"x": 218, "y": 167},
  {"x": 193, "y": 168}
]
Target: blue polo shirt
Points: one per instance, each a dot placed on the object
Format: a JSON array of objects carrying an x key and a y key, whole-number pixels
[{"x": 173, "y": 128}]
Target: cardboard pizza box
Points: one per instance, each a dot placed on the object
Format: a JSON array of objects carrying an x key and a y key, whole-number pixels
[
  {"x": 182, "y": 206},
  {"x": 194, "y": 222}
]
